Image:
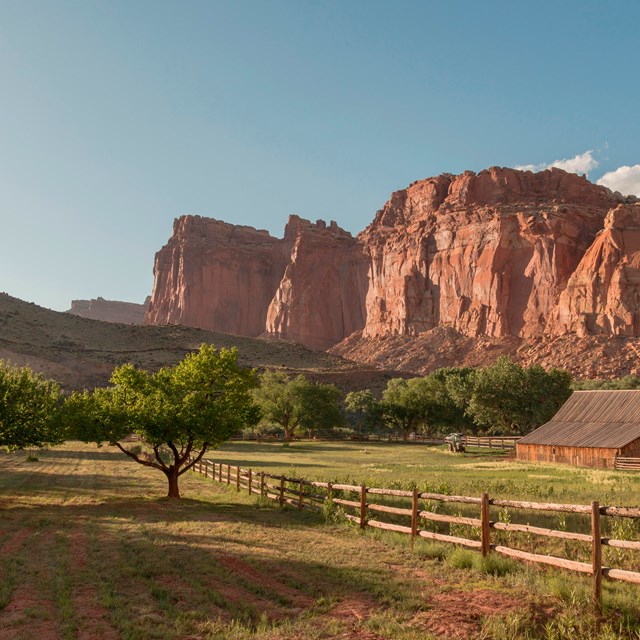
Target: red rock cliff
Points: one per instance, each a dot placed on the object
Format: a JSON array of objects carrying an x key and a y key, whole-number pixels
[
  {"x": 217, "y": 276},
  {"x": 603, "y": 294},
  {"x": 321, "y": 297},
  {"x": 501, "y": 253},
  {"x": 487, "y": 253}
]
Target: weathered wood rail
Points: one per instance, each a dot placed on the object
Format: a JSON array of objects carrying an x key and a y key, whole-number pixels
[
  {"x": 626, "y": 463},
  {"x": 491, "y": 442},
  {"x": 315, "y": 496}
]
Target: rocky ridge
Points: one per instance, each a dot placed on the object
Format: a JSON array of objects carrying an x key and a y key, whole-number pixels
[
  {"x": 504, "y": 259},
  {"x": 110, "y": 310}
]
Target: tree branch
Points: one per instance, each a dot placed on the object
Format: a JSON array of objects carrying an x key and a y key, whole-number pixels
[
  {"x": 186, "y": 453},
  {"x": 176, "y": 455},
  {"x": 146, "y": 463},
  {"x": 195, "y": 460},
  {"x": 158, "y": 458}
]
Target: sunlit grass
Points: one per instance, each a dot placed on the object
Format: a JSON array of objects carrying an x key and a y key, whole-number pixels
[{"x": 88, "y": 542}]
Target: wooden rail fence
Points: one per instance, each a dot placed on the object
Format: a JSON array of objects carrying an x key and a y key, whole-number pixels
[
  {"x": 314, "y": 496},
  {"x": 626, "y": 463},
  {"x": 490, "y": 442}
]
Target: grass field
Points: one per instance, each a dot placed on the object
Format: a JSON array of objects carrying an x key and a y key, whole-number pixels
[
  {"x": 400, "y": 465},
  {"x": 90, "y": 549}
]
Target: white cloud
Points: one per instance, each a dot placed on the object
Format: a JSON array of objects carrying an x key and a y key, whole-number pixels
[
  {"x": 581, "y": 163},
  {"x": 624, "y": 179}
]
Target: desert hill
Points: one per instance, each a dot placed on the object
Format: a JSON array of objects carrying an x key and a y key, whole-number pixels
[{"x": 81, "y": 353}]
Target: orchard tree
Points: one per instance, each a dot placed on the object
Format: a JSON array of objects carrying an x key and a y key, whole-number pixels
[
  {"x": 29, "y": 409},
  {"x": 179, "y": 412},
  {"x": 296, "y": 404}
]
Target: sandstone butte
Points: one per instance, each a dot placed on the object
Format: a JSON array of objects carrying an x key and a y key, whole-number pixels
[
  {"x": 110, "y": 310},
  {"x": 454, "y": 269}
]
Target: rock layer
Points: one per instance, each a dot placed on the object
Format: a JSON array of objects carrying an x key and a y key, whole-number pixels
[{"x": 502, "y": 254}]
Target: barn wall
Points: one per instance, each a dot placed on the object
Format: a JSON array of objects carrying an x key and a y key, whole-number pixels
[
  {"x": 632, "y": 450},
  {"x": 576, "y": 456}
]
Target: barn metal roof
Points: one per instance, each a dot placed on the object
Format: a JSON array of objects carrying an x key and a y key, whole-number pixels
[{"x": 604, "y": 419}]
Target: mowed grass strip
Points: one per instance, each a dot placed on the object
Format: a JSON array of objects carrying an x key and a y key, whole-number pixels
[{"x": 91, "y": 549}]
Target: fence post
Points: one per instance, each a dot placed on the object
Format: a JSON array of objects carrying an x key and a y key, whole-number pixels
[
  {"x": 301, "y": 496},
  {"x": 281, "y": 499},
  {"x": 485, "y": 525},
  {"x": 363, "y": 506},
  {"x": 596, "y": 552},
  {"x": 237, "y": 478},
  {"x": 414, "y": 515},
  {"x": 262, "y": 483},
  {"x": 220, "y": 479},
  {"x": 228, "y": 474},
  {"x": 250, "y": 477},
  {"x": 206, "y": 468},
  {"x": 329, "y": 496}
]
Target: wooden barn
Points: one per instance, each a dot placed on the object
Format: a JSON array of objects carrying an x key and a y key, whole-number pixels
[{"x": 592, "y": 429}]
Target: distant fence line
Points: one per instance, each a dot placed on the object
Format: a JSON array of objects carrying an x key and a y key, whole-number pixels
[
  {"x": 297, "y": 492},
  {"x": 490, "y": 442}
]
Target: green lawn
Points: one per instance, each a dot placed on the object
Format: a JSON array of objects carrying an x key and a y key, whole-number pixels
[
  {"x": 90, "y": 549},
  {"x": 400, "y": 465}
]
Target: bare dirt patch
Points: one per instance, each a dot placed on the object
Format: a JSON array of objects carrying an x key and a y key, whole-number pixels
[
  {"x": 15, "y": 542},
  {"x": 458, "y": 614},
  {"x": 28, "y": 609},
  {"x": 92, "y": 618},
  {"x": 359, "y": 606}
]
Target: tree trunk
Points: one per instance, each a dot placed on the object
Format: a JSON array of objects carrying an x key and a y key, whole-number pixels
[{"x": 172, "y": 477}]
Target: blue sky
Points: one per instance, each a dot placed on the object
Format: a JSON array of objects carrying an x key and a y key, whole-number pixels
[{"x": 118, "y": 116}]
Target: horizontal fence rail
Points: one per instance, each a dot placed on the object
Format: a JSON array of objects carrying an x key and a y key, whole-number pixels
[
  {"x": 358, "y": 503},
  {"x": 626, "y": 463},
  {"x": 490, "y": 442}
]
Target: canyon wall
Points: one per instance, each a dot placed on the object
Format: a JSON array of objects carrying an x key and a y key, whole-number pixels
[{"x": 499, "y": 254}]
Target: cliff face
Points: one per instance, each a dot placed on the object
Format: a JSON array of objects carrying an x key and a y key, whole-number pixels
[
  {"x": 217, "y": 276},
  {"x": 307, "y": 287},
  {"x": 603, "y": 294},
  {"x": 110, "y": 310},
  {"x": 499, "y": 255},
  {"x": 321, "y": 296},
  {"x": 486, "y": 254}
]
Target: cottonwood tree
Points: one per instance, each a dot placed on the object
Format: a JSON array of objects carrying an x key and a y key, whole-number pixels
[
  {"x": 510, "y": 399},
  {"x": 29, "y": 409},
  {"x": 363, "y": 410},
  {"x": 296, "y": 404},
  {"x": 407, "y": 404},
  {"x": 179, "y": 412}
]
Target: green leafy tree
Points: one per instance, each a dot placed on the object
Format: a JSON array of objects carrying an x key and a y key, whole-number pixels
[
  {"x": 363, "y": 410},
  {"x": 510, "y": 399},
  {"x": 179, "y": 412},
  {"x": 408, "y": 405},
  {"x": 29, "y": 409},
  {"x": 459, "y": 384},
  {"x": 296, "y": 404}
]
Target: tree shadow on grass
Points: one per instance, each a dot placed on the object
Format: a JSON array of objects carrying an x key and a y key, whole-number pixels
[{"x": 97, "y": 454}]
